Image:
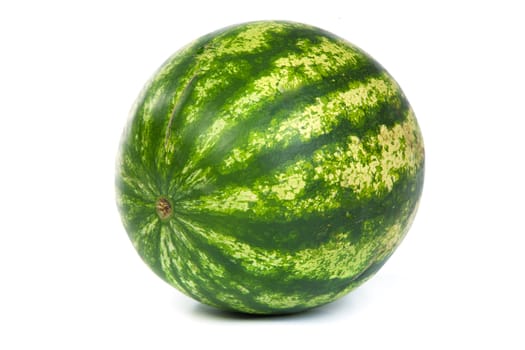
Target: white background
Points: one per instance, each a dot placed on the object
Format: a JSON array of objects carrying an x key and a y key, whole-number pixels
[{"x": 70, "y": 279}]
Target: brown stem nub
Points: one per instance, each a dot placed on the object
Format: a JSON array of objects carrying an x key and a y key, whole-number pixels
[{"x": 164, "y": 208}]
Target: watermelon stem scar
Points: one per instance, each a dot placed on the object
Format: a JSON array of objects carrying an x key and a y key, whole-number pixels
[{"x": 164, "y": 208}]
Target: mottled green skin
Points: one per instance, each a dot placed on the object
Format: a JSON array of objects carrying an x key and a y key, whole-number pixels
[{"x": 292, "y": 162}]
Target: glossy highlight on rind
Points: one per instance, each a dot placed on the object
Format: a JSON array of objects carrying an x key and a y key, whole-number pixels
[{"x": 268, "y": 168}]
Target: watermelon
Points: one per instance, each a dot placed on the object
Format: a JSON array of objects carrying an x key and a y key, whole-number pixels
[{"x": 268, "y": 168}]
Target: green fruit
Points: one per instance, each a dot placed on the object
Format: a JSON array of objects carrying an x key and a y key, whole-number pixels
[{"x": 269, "y": 167}]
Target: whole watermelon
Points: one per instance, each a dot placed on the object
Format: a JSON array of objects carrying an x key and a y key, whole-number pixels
[{"x": 268, "y": 168}]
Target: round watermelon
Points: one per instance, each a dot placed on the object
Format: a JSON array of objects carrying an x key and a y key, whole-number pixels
[{"x": 268, "y": 168}]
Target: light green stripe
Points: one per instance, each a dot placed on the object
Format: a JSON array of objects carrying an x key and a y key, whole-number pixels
[
  {"x": 253, "y": 38},
  {"x": 233, "y": 301},
  {"x": 369, "y": 174},
  {"x": 325, "y": 57},
  {"x": 287, "y": 301},
  {"x": 191, "y": 179}
]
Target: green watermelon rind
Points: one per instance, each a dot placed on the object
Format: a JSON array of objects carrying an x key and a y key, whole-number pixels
[{"x": 269, "y": 167}]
